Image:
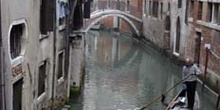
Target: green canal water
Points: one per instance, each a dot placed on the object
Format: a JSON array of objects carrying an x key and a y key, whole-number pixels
[{"x": 123, "y": 74}]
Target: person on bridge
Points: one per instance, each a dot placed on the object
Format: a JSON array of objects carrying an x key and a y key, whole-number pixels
[{"x": 190, "y": 72}]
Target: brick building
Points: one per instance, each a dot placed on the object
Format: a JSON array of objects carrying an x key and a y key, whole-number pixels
[
  {"x": 204, "y": 28},
  {"x": 183, "y": 27}
]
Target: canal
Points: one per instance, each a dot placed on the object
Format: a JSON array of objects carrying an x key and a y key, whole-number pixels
[{"x": 124, "y": 74}]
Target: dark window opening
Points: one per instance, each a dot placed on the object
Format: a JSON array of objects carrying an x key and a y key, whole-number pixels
[
  {"x": 209, "y": 12},
  {"x": 145, "y": 6},
  {"x": 17, "y": 95},
  {"x": 46, "y": 16},
  {"x": 186, "y": 12},
  {"x": 178, "y": 34},
  {"x": 161, "y": 10},
  {"x": 60, "y": 66},
  {"x": 216, "y": 13},
  {"x": 168, "y": 6},
  {"x": 41, "y": 79},
  {"x": 77, "y": 18},
  {"x": 191, "y": 11},
  {"x": 155, "y": 9},
  {"x": 167, "y": 32},
  {"x": 62, "y": 21},
  {"x": 179, "y": 3},
  {"x": 16, "y": 40},
  {"x": 200, "y": 11},
  {"x": 167, "y": 24},
  {"x": 150, "y": 8},
  {"x": 128, "y": 5}
]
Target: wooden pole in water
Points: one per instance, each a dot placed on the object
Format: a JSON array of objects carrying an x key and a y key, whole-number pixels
[
  {"x": 206, "y": 66},
  {"x": 218, "y": 97}
]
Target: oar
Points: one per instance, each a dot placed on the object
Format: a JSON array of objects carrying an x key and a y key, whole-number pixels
[
  {"x": 157, "y": 98},
  {"x": 171, "y": 103}
]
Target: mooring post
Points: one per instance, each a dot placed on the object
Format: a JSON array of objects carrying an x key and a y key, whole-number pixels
[
  {"x": 218, "y": 97},
  {"x": 206, "y": 66}
]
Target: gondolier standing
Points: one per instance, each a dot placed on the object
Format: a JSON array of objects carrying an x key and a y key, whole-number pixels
[{"x": 190, "y": 69}]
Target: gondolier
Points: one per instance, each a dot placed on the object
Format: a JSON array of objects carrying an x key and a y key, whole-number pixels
[{"x": 190, "y": 69}]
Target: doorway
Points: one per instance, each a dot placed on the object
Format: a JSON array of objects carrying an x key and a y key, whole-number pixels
[{"x": 197, "y": 48}]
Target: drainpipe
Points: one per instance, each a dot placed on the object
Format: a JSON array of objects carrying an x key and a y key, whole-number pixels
[{"x": 54, "y": 50}]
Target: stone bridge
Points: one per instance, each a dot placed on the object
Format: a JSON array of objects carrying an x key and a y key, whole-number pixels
[{"x": 104, "y": 9}]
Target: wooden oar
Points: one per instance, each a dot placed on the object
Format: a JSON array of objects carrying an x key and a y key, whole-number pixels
[
  {"x": 171, "y": 103},
  {"x": 157, "y": 98}
]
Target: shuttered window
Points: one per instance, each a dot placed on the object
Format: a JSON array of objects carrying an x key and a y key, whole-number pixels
[{"x": 46, "y": 16}]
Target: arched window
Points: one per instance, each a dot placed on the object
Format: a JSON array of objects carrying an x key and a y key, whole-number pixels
[
  {"x": 178, "y": 34},
  {"x": 161, "y": 10},
  {"x": 167, "y": 32}
]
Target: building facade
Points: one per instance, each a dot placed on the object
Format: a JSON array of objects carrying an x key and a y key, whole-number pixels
[
  {"x": 35, "y": 49},
  {"x": 203, "y": 32},
  {"x": 164, "y": 24},
  {"x": 184, "y": 28}
]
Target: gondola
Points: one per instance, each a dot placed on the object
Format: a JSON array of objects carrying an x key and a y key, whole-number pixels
[{"x": 179, "y": 102}]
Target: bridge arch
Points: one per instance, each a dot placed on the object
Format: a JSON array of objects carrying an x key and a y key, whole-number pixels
[{"x": 126, "y": 19}]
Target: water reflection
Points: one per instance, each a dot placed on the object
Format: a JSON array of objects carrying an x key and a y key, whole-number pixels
[{"x": 122, "y": 74}]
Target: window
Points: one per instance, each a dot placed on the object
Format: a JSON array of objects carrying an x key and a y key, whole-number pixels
[
  {"x": 191, "y": 11},
  {"x": 128, "y": 5},
  {"x": 209, "y": 12},
  {"x": 41, "y": 79},
  {"x": 179, "y": 3},
  {"x": 167, "y": 32},
  {"x": 155, "y": 9},
  {"x": 16, "y": 34},
  {"x": 46, "y": 16},
  {"x": 186, "y": 12},
  {"x": 17, "y": 95},
  {"x": 216, "y": 13},
  {"x": 64, "y": 11},
  {"x": 150, "y": 8},
  {"x": 200, "y": 11},
  {"x": 178, "y": 33},
  {"x": 60, "y": 66},
  {"x": 145, "y": 6},
  {"x": 167, "y": 23},
  {"x": 168, "y": 6},
  {"x": 161, "y": 10}
]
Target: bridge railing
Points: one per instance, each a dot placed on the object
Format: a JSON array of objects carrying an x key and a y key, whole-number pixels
[{"x": 116, "y": 5}]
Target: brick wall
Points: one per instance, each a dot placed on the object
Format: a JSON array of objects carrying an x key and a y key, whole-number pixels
[{"x": 210, "y": 35}]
